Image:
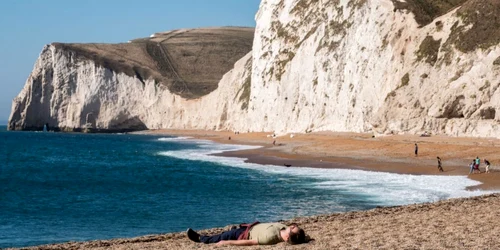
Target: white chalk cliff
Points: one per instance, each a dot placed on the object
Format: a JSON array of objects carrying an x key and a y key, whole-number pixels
[{"x": 376, "y": 66}]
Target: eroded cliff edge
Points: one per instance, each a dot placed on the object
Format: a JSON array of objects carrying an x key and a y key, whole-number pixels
[
  {"x": 383, "y": 66},
  {"x": 154, "y": 82}
]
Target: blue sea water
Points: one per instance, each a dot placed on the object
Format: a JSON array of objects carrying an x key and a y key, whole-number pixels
[{"x": 58, "y": 187}]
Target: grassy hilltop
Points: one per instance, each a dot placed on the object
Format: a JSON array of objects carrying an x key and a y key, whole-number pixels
[{"x": 190, "y": 62}]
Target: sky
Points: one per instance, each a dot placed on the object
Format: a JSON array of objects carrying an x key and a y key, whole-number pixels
[{"x": 27, "y": 25}]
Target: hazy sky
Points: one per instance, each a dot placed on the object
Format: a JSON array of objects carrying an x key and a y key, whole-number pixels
[{"x": 27, "y": 25}]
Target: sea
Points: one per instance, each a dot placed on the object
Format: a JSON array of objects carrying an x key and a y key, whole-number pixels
[{"x": 59, "y": 187}]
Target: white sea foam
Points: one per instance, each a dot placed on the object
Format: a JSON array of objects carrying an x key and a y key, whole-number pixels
[
  {"x": 382, "y": 188},
  {"x": 182, "y": 138}
]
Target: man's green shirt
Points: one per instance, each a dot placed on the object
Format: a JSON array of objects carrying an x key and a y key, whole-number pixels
[{"x": 267, "y": 233}]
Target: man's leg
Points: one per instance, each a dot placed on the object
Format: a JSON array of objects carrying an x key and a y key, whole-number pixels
[{"x": 229, "y": 235}]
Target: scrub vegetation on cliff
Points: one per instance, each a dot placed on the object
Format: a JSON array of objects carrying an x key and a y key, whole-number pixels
[
  {"x": 497, "y": 61},
  {"x": 426, "y": 11},
  {"x": 478, "y": 28},
  {"x": 245, "y": 90},
  {"x": 311, "y": 14},
  {"x": 428, "y": 50}
]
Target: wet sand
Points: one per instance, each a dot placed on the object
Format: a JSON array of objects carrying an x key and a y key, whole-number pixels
[{"x": 466, "y": 223}]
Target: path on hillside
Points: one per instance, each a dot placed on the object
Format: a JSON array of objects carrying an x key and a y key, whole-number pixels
[{"x": 165, "y": 62}]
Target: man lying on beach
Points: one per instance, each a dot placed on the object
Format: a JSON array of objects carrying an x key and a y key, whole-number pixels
[{"x": 253, "y": 234}]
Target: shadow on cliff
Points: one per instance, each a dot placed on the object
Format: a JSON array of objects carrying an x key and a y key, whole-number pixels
[{"x": 124, "y": 122}]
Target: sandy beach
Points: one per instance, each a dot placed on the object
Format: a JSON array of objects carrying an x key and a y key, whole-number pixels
[
  {"x": 466, "y": 223},
  {"x": 393, "y": 154}
]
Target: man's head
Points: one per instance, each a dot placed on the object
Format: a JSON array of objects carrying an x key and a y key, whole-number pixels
[{"x": 296, "y": 235}]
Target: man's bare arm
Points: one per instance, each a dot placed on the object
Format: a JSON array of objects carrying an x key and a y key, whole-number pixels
[{"x": 238, "y": 242}]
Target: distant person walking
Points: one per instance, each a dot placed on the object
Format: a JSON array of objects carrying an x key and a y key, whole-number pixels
[
  {"x": 471, "y": 166},
  {"x": 439, "y": 165},
  {"x": 487, "y": 163},
  {"x": 416, "y": 150}
]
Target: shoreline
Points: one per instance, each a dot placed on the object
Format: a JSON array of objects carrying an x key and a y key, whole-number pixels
[
  {"x": 446, "y": 224},
  {"x": 391, "y": 154},
  {"x": 431, "y": 225}
]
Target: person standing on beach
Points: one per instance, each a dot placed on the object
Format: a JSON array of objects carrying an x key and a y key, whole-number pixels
[
  {"x": 478, "y": 161},
  {"x": 253, "y": 234},
  {"x": 439, "y": 164},
  {"x": 471, "y": 171},
  {"x": 475, "y": 167},
  {"x": 416, "y": 150},
  {"x": 487, "y": 163}
]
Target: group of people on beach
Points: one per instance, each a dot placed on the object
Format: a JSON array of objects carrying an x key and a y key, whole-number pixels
[{"x": 474, "y": 166}]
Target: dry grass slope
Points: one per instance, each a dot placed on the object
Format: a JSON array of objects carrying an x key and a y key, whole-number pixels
[{"x": 189, "y": 62}]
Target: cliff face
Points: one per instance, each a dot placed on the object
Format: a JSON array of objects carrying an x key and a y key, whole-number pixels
[
  {"x": 369, "y": 65},
  {"x": 150, "y": 83},
  {"x": 341, "y": 65}
]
